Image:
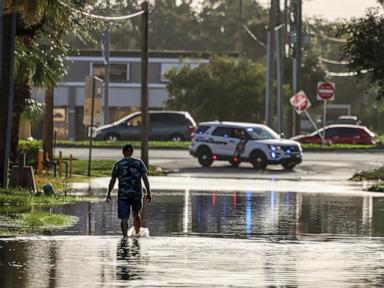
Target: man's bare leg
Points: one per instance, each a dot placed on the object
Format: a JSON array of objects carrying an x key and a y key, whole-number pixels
[
  {"x": 124, "y": 227},
  {"x": 137, "y": 223}
]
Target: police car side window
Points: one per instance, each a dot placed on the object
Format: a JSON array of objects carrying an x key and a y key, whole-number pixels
[
  {"x": 202, "y": 129},
  {"x": 225, "y": 132}
]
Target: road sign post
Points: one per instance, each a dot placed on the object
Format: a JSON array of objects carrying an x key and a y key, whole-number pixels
[
  {"x": 325, "y": 92},
  {"x": 301, "y": 103},
  {"x": 92, "y": 109}
]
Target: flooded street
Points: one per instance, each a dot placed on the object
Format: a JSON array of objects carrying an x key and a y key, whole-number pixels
[{"x": 210, "y": 239}]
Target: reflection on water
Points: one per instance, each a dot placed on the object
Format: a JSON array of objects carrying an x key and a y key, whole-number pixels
[
  {"x": 255, "y": 240},
  {"x": 97, "y": 261},
  {"x": 238, "y": 214},
  {"x": 128, "y": 260}
]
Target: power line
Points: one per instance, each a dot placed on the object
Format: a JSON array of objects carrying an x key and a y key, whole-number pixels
[
  {"x": 105, "y": 18},
  {"x": 329, "y": 61},
  {"x": 345, "y": 74},
  {"x": 253, "y": 36},
  {"x": 338, "y": 40}
]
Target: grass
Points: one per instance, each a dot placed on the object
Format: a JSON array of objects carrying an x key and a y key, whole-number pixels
[
  {"x": 34, "y": 222},
  {"x": 24, "y": 198},
  {"x": 102, "y": 168},
  {"x": 120, "y": 144},
  {"x": 45, "y": 220},
  {"x": 18, "y": 215},
  {"x": 309, "y": 147},
  {"x": 374, "y": 175}
]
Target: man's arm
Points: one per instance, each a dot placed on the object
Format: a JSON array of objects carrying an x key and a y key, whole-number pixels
[
  {"x": 146, "y": 183},
  {"x": 110, "y": 188}
]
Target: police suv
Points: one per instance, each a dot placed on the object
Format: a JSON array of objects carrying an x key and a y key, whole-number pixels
[{"x": 238, "y": 142}]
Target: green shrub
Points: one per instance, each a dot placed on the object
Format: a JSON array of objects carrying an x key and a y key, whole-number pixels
[{"x": 30, "y": 148}]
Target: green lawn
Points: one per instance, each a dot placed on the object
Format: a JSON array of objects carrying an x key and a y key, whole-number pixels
[
  {"x": 120, "y": 144},
  {"x": 375, "y": 175},
  {"x": 102, "y": 168}
]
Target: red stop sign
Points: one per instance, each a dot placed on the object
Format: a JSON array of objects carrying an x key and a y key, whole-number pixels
[{"x": 326, "y": 91}]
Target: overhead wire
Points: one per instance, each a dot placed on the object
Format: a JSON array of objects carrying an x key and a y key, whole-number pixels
[
  {"x": 330, "y": 61},
  {"x": 345, "y": 74},
  {"x": 253, "y": 36},
  {"x": 104, "y": 18}
]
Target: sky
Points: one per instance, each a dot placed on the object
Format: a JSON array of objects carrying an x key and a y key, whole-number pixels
[{"x": 333, "y": 9}]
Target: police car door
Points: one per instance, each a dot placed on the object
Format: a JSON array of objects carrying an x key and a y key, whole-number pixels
[{"x": 224, "y": 142}]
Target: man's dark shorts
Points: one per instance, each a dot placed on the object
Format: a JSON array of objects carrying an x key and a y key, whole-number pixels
[{"x": 124, "y": 206}]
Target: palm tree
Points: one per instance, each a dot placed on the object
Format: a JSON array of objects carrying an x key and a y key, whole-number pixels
[{"x": 39, "y": 55}]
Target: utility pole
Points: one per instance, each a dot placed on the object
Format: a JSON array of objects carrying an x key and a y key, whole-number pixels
[
  {"x": 279, "y": 69},
  {"x": 296, "y": 59},
  {"x": 7, "y": 48},
  {"x": 279, "y": 80},
  {"x": 144, "y": 84},
  {"x": 239, "y": 44},
  {"x": 106, "y": 43},
  {"x": 270, "y": 63},
  {"x": 48, "y": 123},
  {"x": 106, "y": 74}
]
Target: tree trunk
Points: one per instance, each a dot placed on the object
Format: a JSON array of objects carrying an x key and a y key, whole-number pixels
[
  {"x": 22, "y": 93},
  {"x": 48, "y": 123},
  {"x": 6, "y": 80}
]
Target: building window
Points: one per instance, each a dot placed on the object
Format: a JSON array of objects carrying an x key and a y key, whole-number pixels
[
  {"x": 165, "y": 67},
  {"x": 117, "y": 72}
]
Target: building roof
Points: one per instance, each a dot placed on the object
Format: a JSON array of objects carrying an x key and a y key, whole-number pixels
[{"x": 153, "y": 54}]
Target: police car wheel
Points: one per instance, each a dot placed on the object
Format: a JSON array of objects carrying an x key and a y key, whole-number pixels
[
  {"x": 258, "y": 160},
  {"x": 234, "y": 163},
  {"x": 288, "y": 165},
  {"x": 204, "y": 156}
]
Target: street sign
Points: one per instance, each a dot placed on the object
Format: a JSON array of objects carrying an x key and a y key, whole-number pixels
[
  {"x": 300, "y": 102},
  {"x": 325, "y": 91},
  {"x": 90, "y": 84}
]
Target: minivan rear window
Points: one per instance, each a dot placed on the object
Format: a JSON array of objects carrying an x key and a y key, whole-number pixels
[{"x": 202, "y": 129}]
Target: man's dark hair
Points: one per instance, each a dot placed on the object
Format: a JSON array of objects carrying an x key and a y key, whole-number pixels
[{"x": 128, "y": 147}]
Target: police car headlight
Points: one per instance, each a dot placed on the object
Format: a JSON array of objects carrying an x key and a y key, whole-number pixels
[{"x": 274, "y": 147}]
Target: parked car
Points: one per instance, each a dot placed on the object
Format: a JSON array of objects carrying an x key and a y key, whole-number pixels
[
  {"x": 163, "y": 125},
  {"x": 340, "y": 134},
  {"x": 348, "y": 119},
  {"x": 238, "y": 142}
]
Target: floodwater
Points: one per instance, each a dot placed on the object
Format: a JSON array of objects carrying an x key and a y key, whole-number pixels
[{"x": 210, "y": 239}]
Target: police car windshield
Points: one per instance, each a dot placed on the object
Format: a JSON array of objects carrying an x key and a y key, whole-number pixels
[{"x": 261, "y": 133}]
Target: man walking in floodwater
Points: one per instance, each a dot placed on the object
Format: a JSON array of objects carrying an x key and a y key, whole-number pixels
[{"x": 129, "y": 171}]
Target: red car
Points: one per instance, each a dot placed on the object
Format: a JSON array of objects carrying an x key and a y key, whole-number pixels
[{"x": 340, "y": 134}]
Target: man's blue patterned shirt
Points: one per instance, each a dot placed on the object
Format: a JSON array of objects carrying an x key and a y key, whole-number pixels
[{"x": 129, "y": 172}]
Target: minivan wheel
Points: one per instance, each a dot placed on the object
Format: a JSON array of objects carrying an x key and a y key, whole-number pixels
[
  {"x": 204, "y": 156},
  {"x": 258, "y": 160},
  {"x": 176, "y": 137},
  {"x": 112, "y": 137}
]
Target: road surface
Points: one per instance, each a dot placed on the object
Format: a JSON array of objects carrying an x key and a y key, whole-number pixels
[{"x": 315, "y": 166}]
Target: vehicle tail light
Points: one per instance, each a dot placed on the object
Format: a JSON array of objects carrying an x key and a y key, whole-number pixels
[
  {"x": 214, "y": 157},
  {"x": 235, "y": 159},
  {"x": 191, "y": 129}
]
